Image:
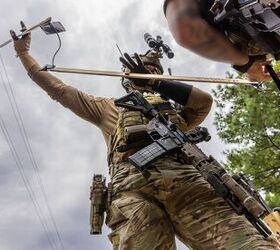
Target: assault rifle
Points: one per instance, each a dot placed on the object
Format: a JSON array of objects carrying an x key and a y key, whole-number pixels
[
  {"x": 167, "y": 139},
  {"x": 256, "y": 21}
]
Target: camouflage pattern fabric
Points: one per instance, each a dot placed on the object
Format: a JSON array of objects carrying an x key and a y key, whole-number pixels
[{"x": 175, "y": 200}]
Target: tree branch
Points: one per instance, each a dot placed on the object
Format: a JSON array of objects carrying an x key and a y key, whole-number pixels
[
  {"x": 268, "y": 147},
  {"x": 272, "y": 142},
  {"x": 270, "y": 187},
  {"x": 275, "y": 169},
  {"x": 268, "y": 137}
]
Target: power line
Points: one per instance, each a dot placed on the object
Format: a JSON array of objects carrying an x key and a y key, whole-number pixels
[
  {"x": 24, "y": 178},
  {"x": 23, "y": 132}
]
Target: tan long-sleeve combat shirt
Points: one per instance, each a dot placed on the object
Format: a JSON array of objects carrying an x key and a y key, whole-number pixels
[{"x": 102, "y": 111}]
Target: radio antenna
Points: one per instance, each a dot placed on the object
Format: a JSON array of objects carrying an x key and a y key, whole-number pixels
[{"x": 119, "y": 50}]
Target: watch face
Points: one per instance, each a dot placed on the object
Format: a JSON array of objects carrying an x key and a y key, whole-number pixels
[{"x": 245, "y": 2}]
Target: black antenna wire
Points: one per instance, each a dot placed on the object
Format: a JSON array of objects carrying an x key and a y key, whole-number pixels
[
  {"x": 56, "y": 52},
  {"x": 119, "y": 50},
  {"x": 52, "y": 65}
]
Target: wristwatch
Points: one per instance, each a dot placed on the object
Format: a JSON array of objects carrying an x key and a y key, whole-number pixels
[{"x": 244, "y": 68}]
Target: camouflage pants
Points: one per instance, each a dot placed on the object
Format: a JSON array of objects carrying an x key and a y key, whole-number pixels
[{"x": 174, "y": 201}]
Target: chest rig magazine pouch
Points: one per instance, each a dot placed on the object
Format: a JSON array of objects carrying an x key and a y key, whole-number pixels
[
  {"x": 131, "y": 128},
  {"x": 167, "y": 138}
]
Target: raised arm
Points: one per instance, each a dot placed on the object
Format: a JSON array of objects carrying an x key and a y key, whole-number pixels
[{"x": 86, "y": 106}]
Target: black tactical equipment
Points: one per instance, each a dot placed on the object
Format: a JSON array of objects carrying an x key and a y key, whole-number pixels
[
  {"x": 158, "y": 45},
  {"x": 259, "y": 19},
  {"x": 52, "y": 28},
  {"x": 253, "y": 25},
  {"x": 165, "y": 136},
  {"x": 167, "y": 139}
]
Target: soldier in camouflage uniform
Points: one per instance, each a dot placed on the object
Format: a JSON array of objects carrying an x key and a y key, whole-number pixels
[{"x": 175, "y": 200}]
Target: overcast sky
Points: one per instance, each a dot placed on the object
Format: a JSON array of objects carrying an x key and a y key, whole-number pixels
[{"x": 67, "y": 149}]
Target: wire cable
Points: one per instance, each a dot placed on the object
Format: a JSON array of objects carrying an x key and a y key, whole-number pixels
[
  {"x": 25, "y": 179},
  {"x": 59, "y": 47},
  {"x": 23, "y": 132}
]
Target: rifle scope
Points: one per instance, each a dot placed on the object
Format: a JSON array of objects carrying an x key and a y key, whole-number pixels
[{"x": 158, "y": 45}]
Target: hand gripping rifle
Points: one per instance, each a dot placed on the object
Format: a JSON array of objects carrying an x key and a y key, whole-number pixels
[{"x": 167, "y": 139}]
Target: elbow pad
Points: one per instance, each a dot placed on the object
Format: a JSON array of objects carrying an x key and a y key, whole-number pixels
[{"x": 176, "y": 91}]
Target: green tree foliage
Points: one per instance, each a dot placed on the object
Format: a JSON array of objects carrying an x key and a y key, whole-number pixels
[{"x": 249, "y": 119}]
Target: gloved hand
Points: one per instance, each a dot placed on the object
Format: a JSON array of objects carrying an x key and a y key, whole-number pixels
[
  {"x": 138, "y": 67},
  {"x": 22, "y": 45}
]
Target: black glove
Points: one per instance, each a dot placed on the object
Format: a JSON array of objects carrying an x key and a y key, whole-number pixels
[{"x": 137, "y": 67}]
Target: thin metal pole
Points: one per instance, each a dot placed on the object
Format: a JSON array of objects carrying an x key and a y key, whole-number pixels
[
  {"x": 44, "y": 22},
  {"x": 152, "y": 76}
]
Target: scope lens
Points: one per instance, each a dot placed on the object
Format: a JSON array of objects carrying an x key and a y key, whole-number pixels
[
  {"x": 170, "y": 55},
  {"x": 150, "y": 40}
]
